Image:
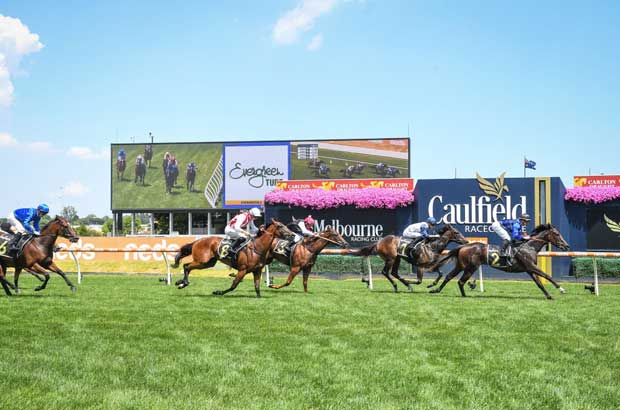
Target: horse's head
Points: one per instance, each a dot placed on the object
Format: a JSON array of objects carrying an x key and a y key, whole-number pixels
[
  {"x": 452, "y": 234},
  {"x": 59, "y": 226},
  {"x": 550, "y": 233},
  {"x": 279, "y": 230},
  {"x": 333, "y": 235}
]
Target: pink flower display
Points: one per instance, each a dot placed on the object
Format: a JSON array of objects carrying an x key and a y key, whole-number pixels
[
  {"x": 323, "y": 199},
  {"x": 592, "y": 194}
]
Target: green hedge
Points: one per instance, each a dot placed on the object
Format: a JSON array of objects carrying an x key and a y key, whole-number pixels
[
  {"x": 342, "y": 265},
  {"x": 607, "y": 267}
]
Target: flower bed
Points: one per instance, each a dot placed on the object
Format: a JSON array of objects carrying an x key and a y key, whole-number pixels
[
  {"x": 591, "y": 194},
  {"x": 359, "y": 198}
]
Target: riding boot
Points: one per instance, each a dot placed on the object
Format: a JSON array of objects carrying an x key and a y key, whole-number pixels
[
  {"x": 507, "y": 251},
  {"x": 12, "y": 247}
]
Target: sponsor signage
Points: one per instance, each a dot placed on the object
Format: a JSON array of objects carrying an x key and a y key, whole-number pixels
[
  {"x": 601, "y": 180},
  {"x": 346, "y": 184},
  {"x": 603, "y": 228},
  {"x": 472, "y": 205},
  {"x": 252, "y": 170},
  {"x": 359, "y": 227}
]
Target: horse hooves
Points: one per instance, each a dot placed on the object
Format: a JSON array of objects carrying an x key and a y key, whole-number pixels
[
  {"x": 38, "y": 288},
  {"x": 183, "y": 285},
  {"x": 218, "y": 293},
  {"x": 73, "y": 288},
  {"x": 562, "y": 291},
  {"x": 232, "y": 275},
  {"x": 472, "y": 286},
  {"x": 410, "y": 289},
  {"x": 434, "y": 291},
  {"x": 549, "y": 297},
  {"x": 179, "y": 282}
]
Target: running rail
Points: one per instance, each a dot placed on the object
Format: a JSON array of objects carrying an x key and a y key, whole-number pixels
[{"x": 345, "y": 252}]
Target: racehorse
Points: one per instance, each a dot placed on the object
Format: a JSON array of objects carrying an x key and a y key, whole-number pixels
[
  {"x": 171, "y": 173},
  {"x": 140, "y": 170},
  {"x": 359, "y": 168},
  {"x": 314, "y": 163},
  {"x": 424, "y": 256},
  {"x": 304, "y": 254},
  {"x": 348, "y": 171},
  {"x": 148, "y": 154},
  {"x": 121, "y": 164},
  {"x": 190, "y": 176},
  {"x": 322, "y": 171},
  {"x": 380, "y": 168},
  {"x": 470, "y": 256},
  {"x": 391, "y": 172},
  {"x": 38, "y": 254},
  {"x": 251, "y": 258}
]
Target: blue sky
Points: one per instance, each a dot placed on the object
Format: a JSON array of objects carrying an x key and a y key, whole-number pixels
[{"x": 479, "y": 83}]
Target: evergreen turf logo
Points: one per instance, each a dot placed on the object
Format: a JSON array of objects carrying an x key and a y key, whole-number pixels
[
  {"x": 493, "y": 189},
  {"x": 613, "y": 226}
]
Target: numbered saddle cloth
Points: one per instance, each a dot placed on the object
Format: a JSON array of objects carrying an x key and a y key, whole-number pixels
[
  {"x": 285, "y": 248},
  {"x": 497, "y": 259},
  {"x": 225, "y": 251},
  {"x": 404, "y": 247},
  {"x": 4, "y": 241}
]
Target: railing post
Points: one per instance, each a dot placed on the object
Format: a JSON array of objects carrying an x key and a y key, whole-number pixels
[
  {"x": 369, "y": 273},
  {"x": 595, "y": 277},
  {"x": 480, "y": 279},
  {"x": 267, "y": 276},
  {"x": 77, "y": 262},
  {"x": 168, "y": 275}
]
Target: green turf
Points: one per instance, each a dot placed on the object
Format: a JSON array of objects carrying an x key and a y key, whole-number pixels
[
  {"x": 132, "y": 343},
  {"x": 127, "y": 195},
  {"x": 338, "y": 160}
]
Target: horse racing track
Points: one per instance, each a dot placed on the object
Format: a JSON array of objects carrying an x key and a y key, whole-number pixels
[{"x": 131, "y": 342}]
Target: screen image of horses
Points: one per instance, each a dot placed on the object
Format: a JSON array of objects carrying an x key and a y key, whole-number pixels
[
  {"x": 161, "y": 176},
  {"x": 345, "y": 162}
]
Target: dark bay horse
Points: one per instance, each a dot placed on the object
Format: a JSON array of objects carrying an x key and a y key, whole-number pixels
[
  {"x": 121, "y": 164},
  {"x": 304, "y": 254},
  {"x": 251, "y": 258},
  {"x": 148, "y": 154},
  {"x": 190, "y": 176},
  {"x": 424, "y": 258},
  {"x": 470, "y": 256},
  {"x": 38, "y": 255},
  {"x": 140, "y": 170}
]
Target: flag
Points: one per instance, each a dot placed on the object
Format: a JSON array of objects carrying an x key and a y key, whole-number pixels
[{"x": 529, "y": 164}]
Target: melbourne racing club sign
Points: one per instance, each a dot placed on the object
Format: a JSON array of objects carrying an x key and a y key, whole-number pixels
[
  {"x": 474, "y": 204},
  {"x": 251, "y": 170}
]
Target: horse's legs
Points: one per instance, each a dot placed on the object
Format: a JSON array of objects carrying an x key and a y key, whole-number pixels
[
  {"x": 394, "y": 273},
  {"x": 35, "y": 274},
  {"x": 54, "y": 268},
  {"x": 468, "y": 272},
  {"x": 257, "y": 274},
  {"x": 306, "y": 274},
  {"x": 386, "y": 273},
  {"x": 234, "y": 284},
  {"x": 539, "y": 284},
  {"x": 436, "y": 281},
  {"x": 536, "y": 271},
  {"x": 39, "y": 269},
  {"x": 448, "y": 278},
  {"x": 190, "y": 266},
  {"x": 4, "y": 282},
  {"x": 16, "y": 280},
  {"x": 294, "y": 271}
]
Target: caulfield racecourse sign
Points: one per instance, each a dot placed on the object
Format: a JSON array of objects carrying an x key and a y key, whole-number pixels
[{"x": 474, "y": 204}]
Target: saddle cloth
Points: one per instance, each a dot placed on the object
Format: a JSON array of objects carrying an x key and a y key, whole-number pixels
[
  {"x": 226, "y": 253},
  {"x": 285, "y": 248},
  {"x": 498, "y": 259},
  {"x": 405, "y": 247},
  {"x": 5, "y": 238}
]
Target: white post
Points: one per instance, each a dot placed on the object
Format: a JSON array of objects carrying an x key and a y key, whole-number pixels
[
  {"x": 267, "y": 275},
  {"x": 169, "y": 275},
  {"x": 77, "y": 263},
  {"x": 369, "y": 273},
  {"x": 480, "y": 279},
  {"x": 595, "y": 277}
]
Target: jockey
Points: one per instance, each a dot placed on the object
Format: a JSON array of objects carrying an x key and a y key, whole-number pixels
[
  {"x": 122, "y": 156},
  {"x": 242, "y": 227},
  {"x": 139, "y": 159},
  {"x": 419, "y": 231},
  {"x": 302, "y": 228},
  {"x": 20, "y": 220},
  {"x": 511, "y": 230}
]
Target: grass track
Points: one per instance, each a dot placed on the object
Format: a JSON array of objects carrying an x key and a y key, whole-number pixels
[{"x": 132, "y": 343}]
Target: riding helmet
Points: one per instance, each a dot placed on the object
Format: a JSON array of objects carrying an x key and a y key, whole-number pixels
[
  {"x": 430, "y": 220},
  {"x": 43, "y": 208},
  {"x": 525, "y": 217},
  {"x": 255, "y": 212}
]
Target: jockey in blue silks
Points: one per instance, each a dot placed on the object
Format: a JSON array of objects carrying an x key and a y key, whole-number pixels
[
  {"x": 121, "y": 155},
  {"x": 419, "y": 231},
  {"x": 510, "y": 231},
  {"x": 21, "y": 220}
]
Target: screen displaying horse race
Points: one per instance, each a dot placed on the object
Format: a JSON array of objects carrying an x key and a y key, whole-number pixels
[{"x": 188, "y": 176}]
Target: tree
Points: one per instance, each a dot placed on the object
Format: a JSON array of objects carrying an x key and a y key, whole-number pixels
[
  {"x": 107, "y": 226},
  {"x": 69, "y": 213}
]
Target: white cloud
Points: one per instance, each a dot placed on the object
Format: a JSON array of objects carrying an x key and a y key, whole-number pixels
[
  {"x": 7, "y": 140},
  {"x": 39, "y": 146},
  {"x": 74, "y": 189},
  {"x": 87, "y": 153},
  {"x": 16, "y": 41},
  {"x": 300, "y": 19},
  {"x": 316, "y": 42}
]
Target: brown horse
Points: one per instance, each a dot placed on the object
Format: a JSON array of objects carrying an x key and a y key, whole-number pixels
[
  {"x": 469, "y": 257},
  {"x": 304, "y": 254},
  {"x": 424, "y": 257},
  {"x": 121, "y": 164},
  {"x": 249, "y": 259},
  {"x": 38, "y": 255}
]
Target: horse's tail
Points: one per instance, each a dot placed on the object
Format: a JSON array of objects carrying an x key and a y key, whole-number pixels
[
  {"x": 365, "y": 251},
  {"x": 185, "y": 250},
  {"x": 448, "y": 257}
]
